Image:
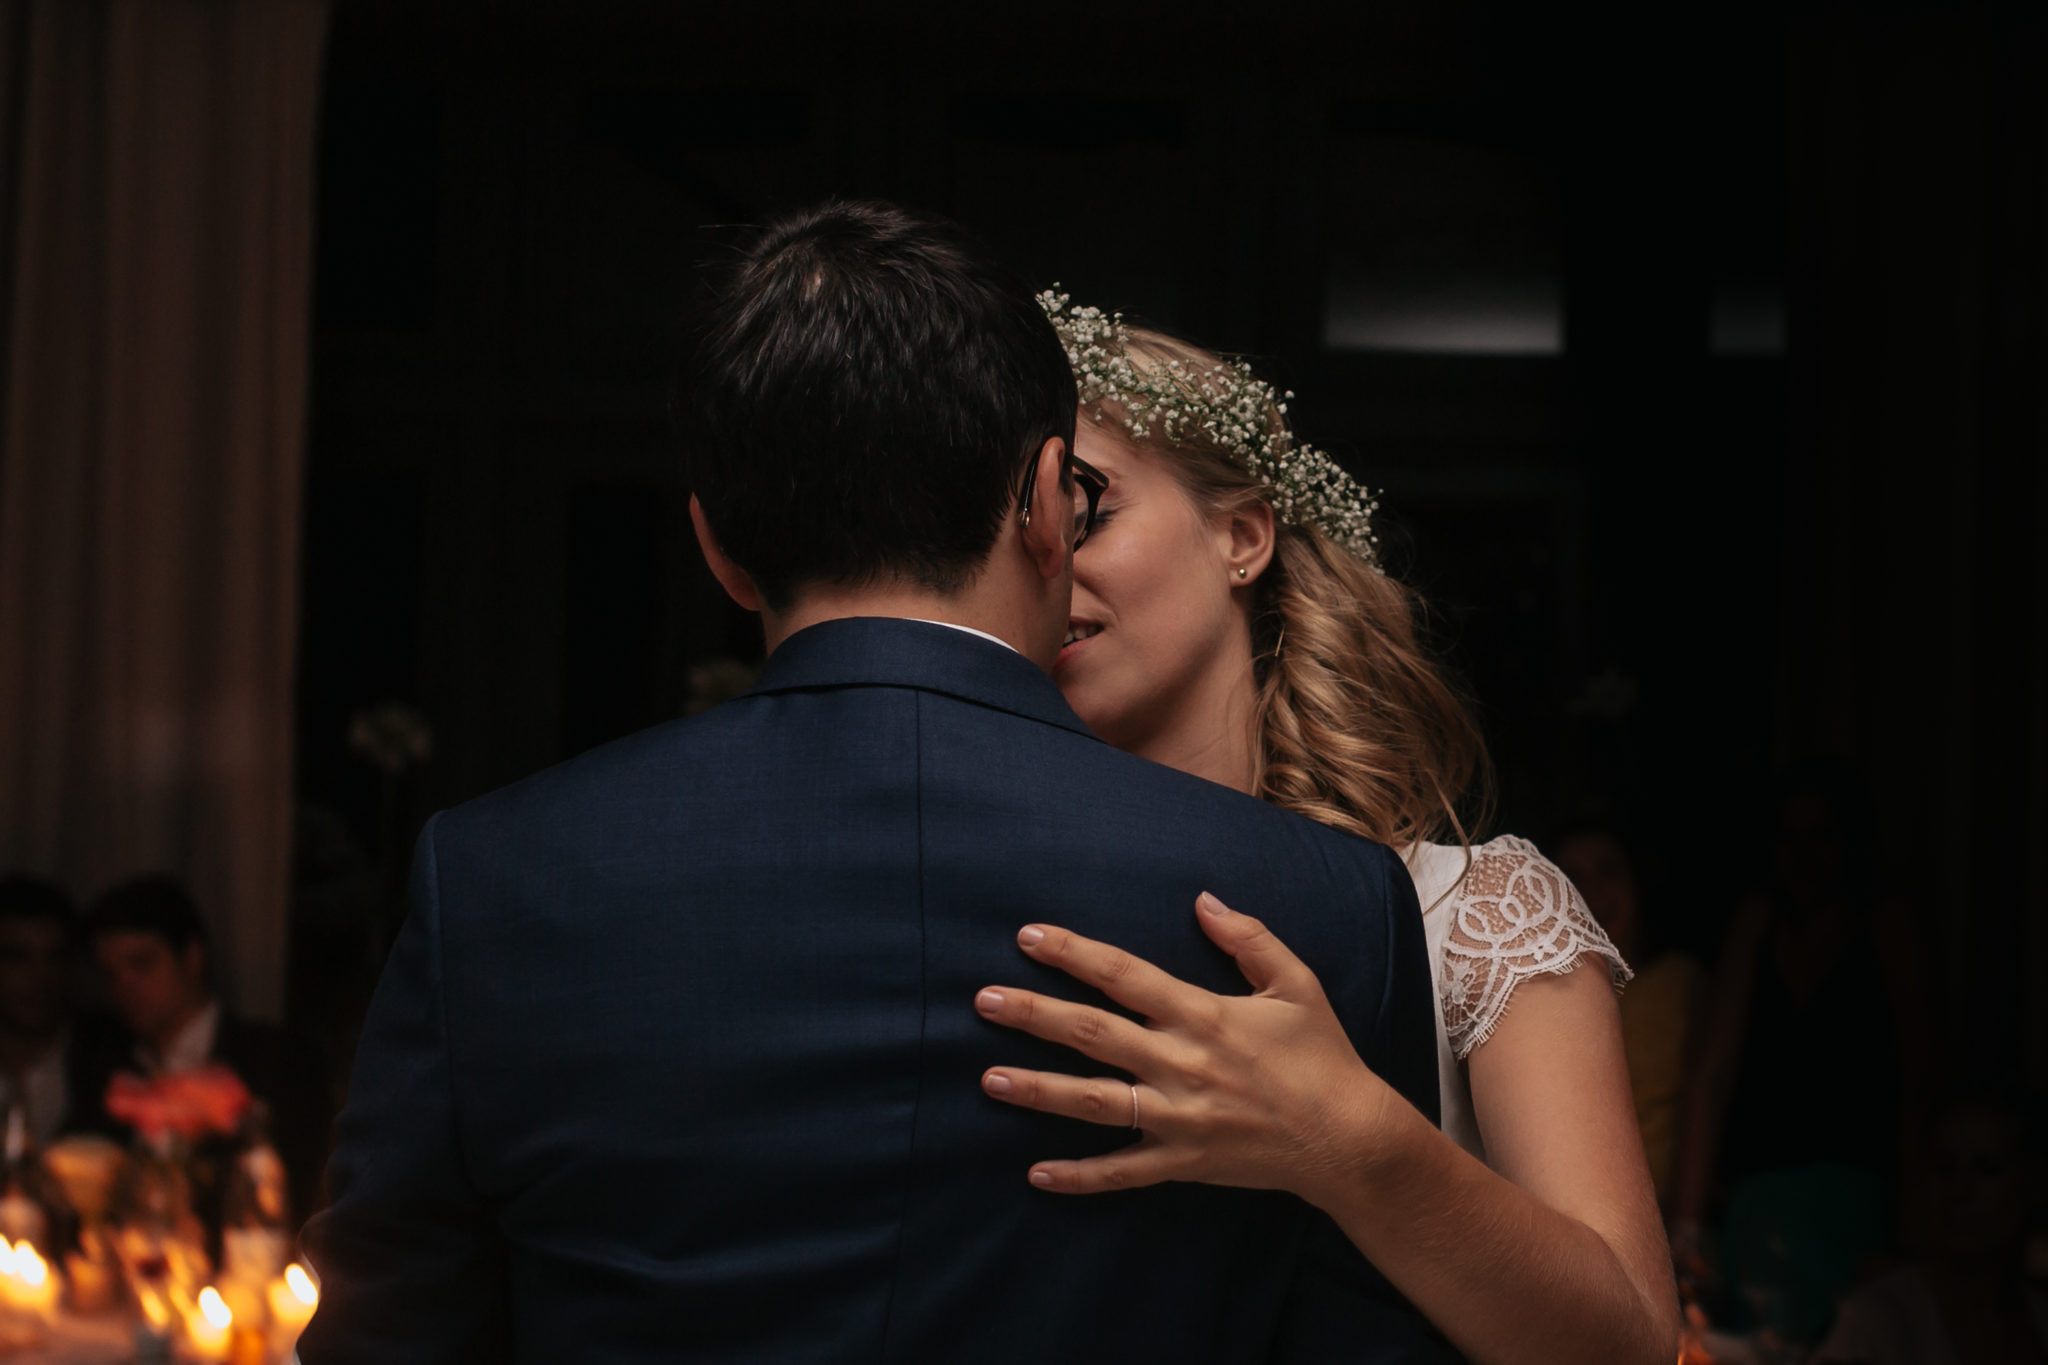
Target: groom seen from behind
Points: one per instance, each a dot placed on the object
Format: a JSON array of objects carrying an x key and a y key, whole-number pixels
[{"x": 677, "y": 1059}]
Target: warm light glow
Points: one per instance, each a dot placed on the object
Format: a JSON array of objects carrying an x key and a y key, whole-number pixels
[
  {"x": 32, "y": 1269},
  {"x": 156, "y": 1310},
  {"x": 7, "y": 1264},
  {"x": 302, "y": 1286},
  {"x": 215, "y": 1309}
]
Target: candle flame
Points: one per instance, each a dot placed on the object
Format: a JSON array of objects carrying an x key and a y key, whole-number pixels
[
  {"x": 32, "y": 1269},
  {"x": 301, "y": 1284},
  {"x": 215, "y": 1308},
  {"x": 7, "y": 1265}
]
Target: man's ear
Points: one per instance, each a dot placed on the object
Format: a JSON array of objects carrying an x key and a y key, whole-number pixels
[
  {"x": 738, "y": 586},
  {"x": 1049, "y": 538},
  {"x": 1248, "y": 548}
]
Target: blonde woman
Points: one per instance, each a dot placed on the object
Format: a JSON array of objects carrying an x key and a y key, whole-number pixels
[{"x": 1230, "y": 619}]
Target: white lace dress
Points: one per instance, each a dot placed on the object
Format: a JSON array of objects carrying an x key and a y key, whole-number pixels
[{"x": 1510, "y": 916}]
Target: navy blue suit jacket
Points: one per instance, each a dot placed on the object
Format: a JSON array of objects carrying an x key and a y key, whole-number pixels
[{"x": 677, "y": 1059}]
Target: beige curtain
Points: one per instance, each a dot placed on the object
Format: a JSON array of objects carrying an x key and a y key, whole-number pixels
[{"x": 156, "y": 162}]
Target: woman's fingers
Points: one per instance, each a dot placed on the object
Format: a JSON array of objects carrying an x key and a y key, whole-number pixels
[
  {"x": 1130, "y": 981},
  {"x": 1265, "y": 961},
  {"x": 1143, "y": 1163},
  {"x": 1104, "y": 1100},
  {"x": 1104, "y": 1036}
]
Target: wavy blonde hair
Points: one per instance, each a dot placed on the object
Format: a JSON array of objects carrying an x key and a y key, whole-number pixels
[{"x": 1357, "y": 723}]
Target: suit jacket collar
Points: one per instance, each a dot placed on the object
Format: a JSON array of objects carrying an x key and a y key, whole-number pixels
[{"x": 886, "y": 651}]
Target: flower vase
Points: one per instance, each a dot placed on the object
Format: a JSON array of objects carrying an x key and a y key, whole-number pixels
[{"x": 158, "y": 1240}]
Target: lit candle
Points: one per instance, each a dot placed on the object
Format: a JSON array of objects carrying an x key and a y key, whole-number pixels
[
  {"x": 210, "y": 1327},
  {"x": 27, "y": 1289},
  {"x": 11, "y": 1287},
  {"x": 293, "y": 1297},
  {"x": 37, "y": 1292}
]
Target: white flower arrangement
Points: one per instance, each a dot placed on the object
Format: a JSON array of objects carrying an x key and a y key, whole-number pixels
[{"x": 1231, "y": 406}]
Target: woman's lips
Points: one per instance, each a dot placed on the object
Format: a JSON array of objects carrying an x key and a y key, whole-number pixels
[{"x": 1079, "y": 633}]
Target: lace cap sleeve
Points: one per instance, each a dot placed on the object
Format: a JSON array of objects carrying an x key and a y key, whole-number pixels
[{"x": 1514, "y": 915}]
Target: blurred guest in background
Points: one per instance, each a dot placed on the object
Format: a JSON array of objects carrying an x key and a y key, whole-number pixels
[
  {"x": 1661, "y": 1008},
  {"x": 1966, "y": 1301},
  {"x": 1813, "y": 1059},
  {"x": 151, "y": 945},
  {"x": 54, "y": 1061}
]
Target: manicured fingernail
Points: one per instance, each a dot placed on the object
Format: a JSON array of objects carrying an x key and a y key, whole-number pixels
[
  {"x": 1042, "y": 1179},
  {"x": 1030, "y": 934},
  {"x": 1209, "y": 905},
  {"x": 996, "y": 1083},
  {"x": 988, "y": 1002}
]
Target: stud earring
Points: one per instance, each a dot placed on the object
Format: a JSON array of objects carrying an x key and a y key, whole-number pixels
[{"x": 1241, "y": 573}]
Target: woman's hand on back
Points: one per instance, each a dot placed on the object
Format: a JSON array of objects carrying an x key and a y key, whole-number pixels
[
  {"x": 1262, "y": 1091},
  {"x": 1556, "y": 1259}
]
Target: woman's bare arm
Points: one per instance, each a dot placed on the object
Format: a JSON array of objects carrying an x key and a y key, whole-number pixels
[{"x": 1556, "y": 1257}]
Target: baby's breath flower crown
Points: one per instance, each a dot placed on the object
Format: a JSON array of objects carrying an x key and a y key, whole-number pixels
[{"x": 1230, "y": 405}]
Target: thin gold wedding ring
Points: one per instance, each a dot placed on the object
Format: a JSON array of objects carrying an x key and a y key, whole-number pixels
[{"x": 1134, "y": 1107}]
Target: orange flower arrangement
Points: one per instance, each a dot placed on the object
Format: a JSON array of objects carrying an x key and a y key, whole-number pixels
[{"x": 189, "y": 1104}]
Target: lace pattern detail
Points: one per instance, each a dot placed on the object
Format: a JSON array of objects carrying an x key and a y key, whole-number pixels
[{"x": 1514, "y": 915}]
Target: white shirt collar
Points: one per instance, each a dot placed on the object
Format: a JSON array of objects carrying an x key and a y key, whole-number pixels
[
  {"x": 950, "y": 625},
  {"x": 193, "y": 1046}
]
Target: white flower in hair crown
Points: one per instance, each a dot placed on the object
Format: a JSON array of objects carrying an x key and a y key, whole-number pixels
[{"x": 1231, "y": 406}]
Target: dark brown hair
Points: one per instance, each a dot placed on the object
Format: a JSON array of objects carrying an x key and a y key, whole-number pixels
[{"x": 863, "y": 398}]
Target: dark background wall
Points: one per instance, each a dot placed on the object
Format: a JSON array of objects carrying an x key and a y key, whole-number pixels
[{"x": 1769, "y": 485}]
